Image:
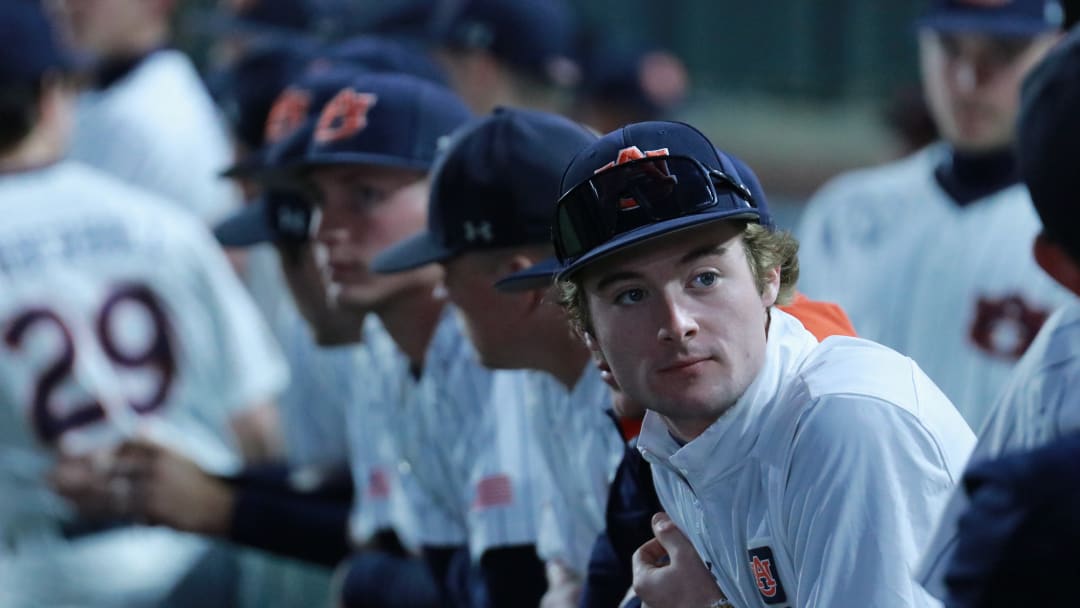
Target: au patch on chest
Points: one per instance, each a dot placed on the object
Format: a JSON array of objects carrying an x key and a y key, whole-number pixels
[{"x": 764, "y": 572}]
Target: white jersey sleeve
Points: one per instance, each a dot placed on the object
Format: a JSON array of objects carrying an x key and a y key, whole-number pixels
[
  {"x": 158, "y": 129},
  {"x": 581, "y": 448},
  {"x": 1038, "y": 406}
]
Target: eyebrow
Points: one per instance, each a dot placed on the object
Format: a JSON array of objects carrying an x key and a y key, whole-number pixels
[
  {"x": 697, "y": 254},
  {"x": 703, "y": 252}
]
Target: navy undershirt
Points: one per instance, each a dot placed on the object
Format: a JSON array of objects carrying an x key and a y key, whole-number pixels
[{"x": 968, "y": 177}]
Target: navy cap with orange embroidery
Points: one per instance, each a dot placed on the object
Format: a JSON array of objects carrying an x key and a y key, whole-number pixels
[{"x": 392, "y": 120}]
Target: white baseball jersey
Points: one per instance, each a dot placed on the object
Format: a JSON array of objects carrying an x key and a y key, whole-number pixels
[
  {"x": 158, "y": 128},
  {"x": 1040, "y": 404},
  {"x": 313, "y": 406},
  {"x": 476, "y": 466},
  {"x": 119, "y": 315},
  {"x": 822, "y": 484},
  {"x": 955, "y": 288},
  {"x": 582, "y": 448}
]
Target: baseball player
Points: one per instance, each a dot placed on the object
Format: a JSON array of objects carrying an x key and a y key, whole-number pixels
[
  {"x": 466, "y": 470},
  {"x": 508, "y": 53},
  {"x": 489, "y": 215},
  {"x": 930, "y": 255},
  {"x": 148, "y": 120},
  {"x": 778, "y": 459},
  {"x": 1039, "y": 401},
  {"x": 120, "y": 318}
]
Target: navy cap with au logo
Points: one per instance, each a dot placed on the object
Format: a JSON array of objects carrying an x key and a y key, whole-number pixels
[
  {"x": 494, "y": 186},
  {"x": 1003, "y": 17},
  {"x": 640, "y": 182},
  {"x": 390, "y": 120}
]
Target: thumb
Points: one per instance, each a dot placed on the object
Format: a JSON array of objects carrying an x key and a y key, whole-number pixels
[{"x": 670, "y": 536}]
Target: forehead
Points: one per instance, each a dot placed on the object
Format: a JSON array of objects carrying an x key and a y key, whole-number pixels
[
  {"x": 363, "y": 175},
  {"x": 666, "y": 250}
]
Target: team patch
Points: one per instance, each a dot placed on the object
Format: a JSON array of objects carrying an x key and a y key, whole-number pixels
[{"x": 763, "y": 570}]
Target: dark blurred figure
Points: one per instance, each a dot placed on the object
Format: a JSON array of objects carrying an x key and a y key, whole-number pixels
[
  {"x": 501, "y": 53},
  {"x": 1019, "y": 541},
  {"x": 623, "y": 85}
]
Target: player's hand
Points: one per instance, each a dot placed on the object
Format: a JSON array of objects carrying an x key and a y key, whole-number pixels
[
  {"x": 668, "y": 573},
  {"x": 564, "y": 587},
  {"x": 169, "y": 489},
  {"x": 85, "y": 482}
]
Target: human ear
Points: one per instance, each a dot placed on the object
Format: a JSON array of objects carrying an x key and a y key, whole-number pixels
[
  {"x": 1057, "y": 263},
  {"x": 771, "y": 288}
]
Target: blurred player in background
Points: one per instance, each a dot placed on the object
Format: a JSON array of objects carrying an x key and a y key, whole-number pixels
[
  {"x": 147, "y": 118},
  {"x": 121, "y": 318},
  {"x": 931, "y": 255},
  {"x": 499, "y": 53},
  {"x": 1040, "y": 400},
  {"x": 623, "y": 85}
]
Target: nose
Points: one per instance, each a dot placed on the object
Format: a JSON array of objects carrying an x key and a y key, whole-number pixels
[{"x": 677, "y": 324}]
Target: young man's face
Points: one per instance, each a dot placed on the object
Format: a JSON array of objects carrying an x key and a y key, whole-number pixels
[
  {"x": 681, "y": 322},
  {"x": 492, "y": 320},
  {"x": 362, "y": 211},
  {"x": 972, "y": 83}
]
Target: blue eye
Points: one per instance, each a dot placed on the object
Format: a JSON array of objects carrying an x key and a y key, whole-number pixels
[
  {"x": 706, "y": 279},
  {"x": 630, "y": 296}
]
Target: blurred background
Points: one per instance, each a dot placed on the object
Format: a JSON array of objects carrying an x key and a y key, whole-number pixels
[{"x": 801, "y": 89}]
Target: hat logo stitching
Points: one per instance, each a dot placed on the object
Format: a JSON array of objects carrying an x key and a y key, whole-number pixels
[
  {"x": 344, "y": 116},
  {"x": 287, "y": 114},
  {"x": 478, "y": 230}
]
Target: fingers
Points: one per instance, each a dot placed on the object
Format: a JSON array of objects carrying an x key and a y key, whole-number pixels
[{"x": 671, "y": 537}]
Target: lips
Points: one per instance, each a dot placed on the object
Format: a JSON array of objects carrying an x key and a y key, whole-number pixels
[{"x": 683, "y": 364}]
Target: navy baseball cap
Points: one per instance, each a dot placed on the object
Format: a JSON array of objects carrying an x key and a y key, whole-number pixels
[
  {"x": 643, "y": 181},
  {"x": 390, "y": 120},
  {"x": 543, "y": 273},
  {"x": 651, "y": 80},
  {"x": 1048, "y": 141},
  {"x": 32, "y": 47},
  {"x": 295, "y": 106},
  {"x": 494, "y": 186},
  {"x": 384, "y": 55},
  {"x": 1003, "y": 17},
  {"x": 536, "y": 36},
  {"x": 1019, "y": 540}
]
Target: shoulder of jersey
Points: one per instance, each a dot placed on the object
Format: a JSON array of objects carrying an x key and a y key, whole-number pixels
[
  {"x": 96, "y": 190},
  {"x": 887, "y": 182}
]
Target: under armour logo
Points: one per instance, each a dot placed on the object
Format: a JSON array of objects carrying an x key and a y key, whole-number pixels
[
  {"x": 478, "y": 230},
  {"x": 293, "y": 221}
]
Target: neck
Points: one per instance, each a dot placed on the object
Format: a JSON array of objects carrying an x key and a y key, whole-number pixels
[
  {"x": 37, "y": 150},
  {"x": 970, "y": 176},
  {"x": 686, "y": 430},
  {"x": 340, "y": 334},
  {"x": 411, "y": 321},
  {"x": 564, "y": 356}
]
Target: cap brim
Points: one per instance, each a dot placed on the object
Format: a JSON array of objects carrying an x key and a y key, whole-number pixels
[
  {"x": 414, "y": 252},
  {"x": 247, "y": 227},
  {"x": 649, "y": 232},
  {"x": 363, "y": 158},
  {"x": 1003, "y": 25},
  {"x": 540, "y": 275}
]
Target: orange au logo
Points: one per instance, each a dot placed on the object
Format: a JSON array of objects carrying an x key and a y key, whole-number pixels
[
  {"x": 626, "y": 155},
  {"x": 763, "y": 570},
  {"x": 344, "y": 116},
  {"x": 632, "y": 153},
  {"x": 287, "y": 114}
]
